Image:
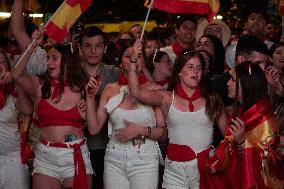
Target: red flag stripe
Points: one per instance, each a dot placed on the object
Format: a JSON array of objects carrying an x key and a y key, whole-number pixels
[
  {"x": 54, "y": 32},
  {"x": 84, "y": 4},
  {"x": 257, "y": 114},
  {"x": 185, "y": 7}
]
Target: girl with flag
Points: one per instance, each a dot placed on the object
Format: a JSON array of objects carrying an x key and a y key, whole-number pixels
[
  {"x": 253, "y": 160},
  {"x": 190, "y": 108},
  {"x": 61, "y": 159},
  {"x": 132, "y": 153}
]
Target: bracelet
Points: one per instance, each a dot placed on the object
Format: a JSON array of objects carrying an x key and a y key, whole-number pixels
[
  {"x": 149, "y": 130},
  {"x": 241, "y": 142}
]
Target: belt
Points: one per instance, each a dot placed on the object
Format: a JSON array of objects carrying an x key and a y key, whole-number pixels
[{"x": 61, "y": 145}]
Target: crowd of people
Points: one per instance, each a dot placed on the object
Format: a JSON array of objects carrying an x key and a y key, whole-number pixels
[{"x": 192, "y": 106}]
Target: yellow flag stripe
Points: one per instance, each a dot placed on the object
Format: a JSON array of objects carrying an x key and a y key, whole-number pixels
[
  {"x": 66, "y": 17},
  {"x": 260, "y": 135}
]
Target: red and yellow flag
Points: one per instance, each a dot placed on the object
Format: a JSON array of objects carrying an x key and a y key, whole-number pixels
[
  {"x": 209, "y": 7},
  {"x": 260, "y": 166},
  {"x": 65, "y": 16}
]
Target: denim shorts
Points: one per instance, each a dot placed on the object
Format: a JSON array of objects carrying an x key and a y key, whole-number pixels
[{"x": 59, "y": 162}]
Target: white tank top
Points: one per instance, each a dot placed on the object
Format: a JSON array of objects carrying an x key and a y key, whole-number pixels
[
  {"x": 143, "y": 115},
  {"x": 193, "y": 129},
  {"x": 9, "y": 134}
]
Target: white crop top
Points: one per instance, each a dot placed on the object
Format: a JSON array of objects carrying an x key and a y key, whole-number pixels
[
  {"x": 193, "y": 129},
  {"x": 143, "y": 115}
]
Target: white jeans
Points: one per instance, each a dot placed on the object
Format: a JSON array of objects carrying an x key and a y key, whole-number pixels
[
  {"x": 128, "y": 167},
  {"x": 13, "y": 174},
  {"x": 181, "y": 175}
]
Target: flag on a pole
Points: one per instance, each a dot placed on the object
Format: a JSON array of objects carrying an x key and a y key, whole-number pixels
[
  {"x": 209, "y": 7},
  {"x": 65, "y": 16}
]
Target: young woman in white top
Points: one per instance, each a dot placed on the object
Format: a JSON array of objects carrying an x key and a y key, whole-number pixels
[
  {"x": 190, "y": 108},
  {"x": 132, "y": 154}
]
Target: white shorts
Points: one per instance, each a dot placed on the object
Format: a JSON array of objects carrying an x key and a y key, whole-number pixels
[
  {"x": 181, "y": 175},
  {"x": 13, "y": 174},
  {"x": 59, "y": 162}
]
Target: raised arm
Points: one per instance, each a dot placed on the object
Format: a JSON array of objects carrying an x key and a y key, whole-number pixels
[
  {"x": 28, "y": 83},
  {"x": 96, "y": 113},
  {"x": 155, "y": 98},
  {"x": 17, "y": 25}
]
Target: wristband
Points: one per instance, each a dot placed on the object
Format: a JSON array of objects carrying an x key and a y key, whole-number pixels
[{"x": 149, "y": 131}]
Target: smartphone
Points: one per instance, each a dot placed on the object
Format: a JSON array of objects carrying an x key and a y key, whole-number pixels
[
  {"x": 97, "y": 78},
  {"x": 70, "y": 138}
]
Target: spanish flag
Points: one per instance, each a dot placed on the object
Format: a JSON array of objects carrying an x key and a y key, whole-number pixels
[
  {"x": 65, "y": 16},
  {"x": 206, "y": 7},
  {"x": 261, "y": 166}
]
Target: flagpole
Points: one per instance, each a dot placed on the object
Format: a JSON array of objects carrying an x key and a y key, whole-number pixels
[
  {"x": 146, "y": 19},
  {"x": 34, "y": 40}
]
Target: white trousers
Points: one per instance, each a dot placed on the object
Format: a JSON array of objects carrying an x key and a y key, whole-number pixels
[
  {"x": 13, "y": 174},
  {"x": 131, "y": 167}
]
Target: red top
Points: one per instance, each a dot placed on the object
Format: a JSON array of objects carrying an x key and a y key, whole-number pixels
[{"x": 51, "y": 116}]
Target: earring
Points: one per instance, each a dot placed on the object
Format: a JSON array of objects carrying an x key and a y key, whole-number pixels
[{"x": 179, "y": 74}]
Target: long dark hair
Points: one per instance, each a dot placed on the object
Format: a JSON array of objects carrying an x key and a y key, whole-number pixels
[
  {"x": 219, "y": 55},
  {"x": 76, "y": 77},
  {"x": 252, "y": 80},
  {"x": 214, "y": 105}
]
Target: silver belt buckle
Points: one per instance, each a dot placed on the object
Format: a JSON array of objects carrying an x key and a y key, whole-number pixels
[{"x": 138, "y": 141}]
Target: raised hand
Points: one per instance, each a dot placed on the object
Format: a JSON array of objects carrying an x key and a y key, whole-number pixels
[
  {"x": 136, "y": 50},
  {"x": 5, "y": 76},
  {"x": 37, "y": 36},
  {"x": 272, "y": 75},
  {"x": 237, "y": 128},
  {"x": 93, "y": 85}
]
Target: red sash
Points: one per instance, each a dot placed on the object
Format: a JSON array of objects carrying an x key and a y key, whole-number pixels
[{"x": 182, "y": 153}]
